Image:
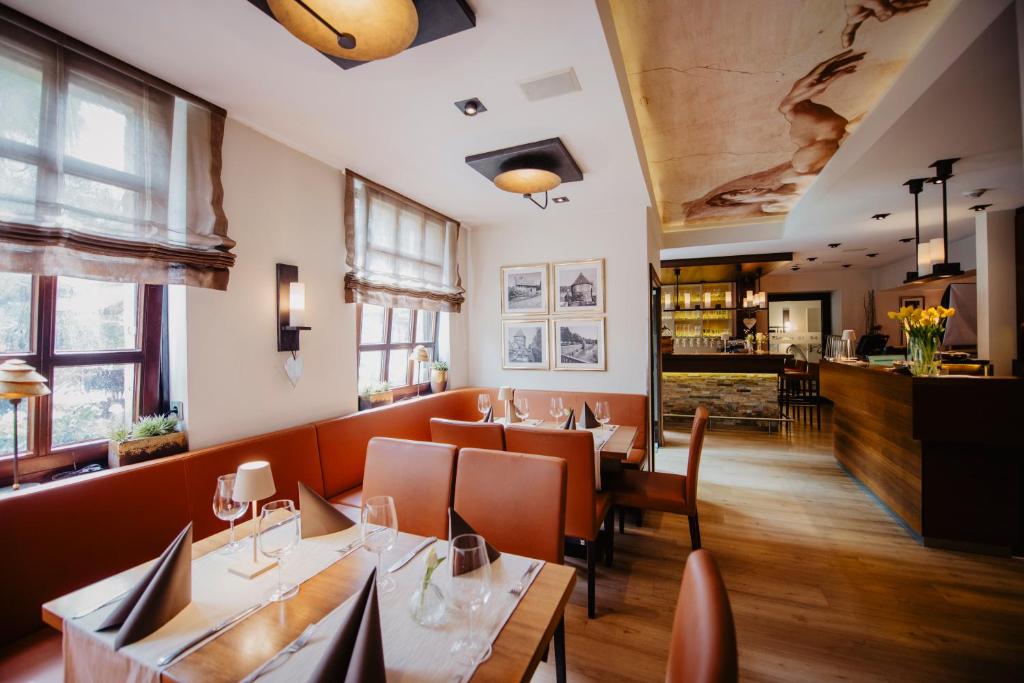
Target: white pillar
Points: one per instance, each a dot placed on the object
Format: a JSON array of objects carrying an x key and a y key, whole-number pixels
[{"x": 997, "y": 312}]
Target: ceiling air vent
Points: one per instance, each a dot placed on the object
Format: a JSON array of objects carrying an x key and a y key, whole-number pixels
[{"x": 551, "y": 85}]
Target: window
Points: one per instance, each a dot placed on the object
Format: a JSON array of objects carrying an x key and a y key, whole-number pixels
[
  {"x": 387, "y": 337},
  {"x": 97, "y": 343}
]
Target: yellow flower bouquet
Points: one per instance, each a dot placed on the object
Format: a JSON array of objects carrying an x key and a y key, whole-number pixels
[{"x": 924, "y": 328}]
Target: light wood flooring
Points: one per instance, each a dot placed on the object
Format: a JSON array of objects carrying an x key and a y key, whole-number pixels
[{"x": 825, "y": 585}]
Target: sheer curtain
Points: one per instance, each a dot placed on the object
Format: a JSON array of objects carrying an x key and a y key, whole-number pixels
[
  {"x": 399, "y": 253},
  {"x": 105, "y": 172}
]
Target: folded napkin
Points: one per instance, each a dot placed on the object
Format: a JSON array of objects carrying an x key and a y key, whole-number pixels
[
  {"x": 589, "y": 421},
  {"x": 489, "y": 417},
  {"x": 319, "y": 516},
  {"x": 165, "y": 590},
  {"x": 570, "y": 422},
  {"x": 457, "y": 526},
  {"x": 356, "y": 652}
]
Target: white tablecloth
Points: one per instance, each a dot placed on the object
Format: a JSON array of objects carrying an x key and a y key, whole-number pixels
[
  {"x": 413, "y": 653},
  {"x": 216, "y": 594}
]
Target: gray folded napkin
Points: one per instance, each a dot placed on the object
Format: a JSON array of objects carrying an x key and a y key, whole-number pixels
[
  {"x": 457, "y": 526},
  {"x": 165, "y": 590},
  {"x": 589, "y": 421},
  {"x": 319, "y": 516},
  {"x": 356, "y": 652},
  {"x": 489, "y": 417},
  {"x": 570, "y": 422}
]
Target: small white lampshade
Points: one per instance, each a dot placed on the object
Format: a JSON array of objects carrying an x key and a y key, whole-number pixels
[
  {"x": 750, "y": 295},
  {"x": 296, "y": 304},
  {"x": 848, "y": 335},
  {"x": 420, "y": 354},
  {"x": 253, "y": 481},
  {"x": 505, "y": 393},
  {"x": 18, "y": 379},
  {"x": 686, "y": 299},
  {"x": 728, "y": 299},
  {"x": 707, "y": 299},
  {"x": 924, "y": 258},
  {"x": 938, "y": 251}
]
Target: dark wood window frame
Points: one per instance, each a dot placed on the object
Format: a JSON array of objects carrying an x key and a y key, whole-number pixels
[
  {"x": 411, "y": 388},
  {"x": 40, "y": 457}
]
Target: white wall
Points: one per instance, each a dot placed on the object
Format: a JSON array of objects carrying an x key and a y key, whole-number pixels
[
  {"x": 554, "y": 236},
  {"x": 997, "y": 314}
]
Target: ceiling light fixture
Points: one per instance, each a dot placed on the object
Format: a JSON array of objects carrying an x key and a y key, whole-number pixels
[
  {"x": 974, "y": 194},
  {"x": 943, "y": 172},
  {"x": 872, "y": 254},
  {"x": 350, "y": 29},
  {"x": 880, "y": 216},
  {"x": 471, "y": 107},
  {"x": 835, "y": 245},
  {"x": 812, "y": 259},
  {"x": 980, "y": 207},
  {"x": 526, "y": 170},
  {"x": 847, "y": 265},
  {"x": 560, "y": 200},
  {"x": 915, "y": 186},
  {"x": 906, "y": 240},
  {"x": 794, "y": 267}
]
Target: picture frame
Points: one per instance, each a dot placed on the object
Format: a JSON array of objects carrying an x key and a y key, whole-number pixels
[
  {"x": 578, "y": 344},
  {"x": 524, "y": 290},
  {"x": 578, "y": 287},
  {"x": 915, "y": 301},
  {"x": 524, "y": 344}
]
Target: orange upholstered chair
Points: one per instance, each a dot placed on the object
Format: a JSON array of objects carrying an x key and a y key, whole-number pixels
[
  {"x": 516, "y": 502},
  {"x": 585, "y": 508},
  {"x": 666, "y": 492},
  {"x": 703, "y": 646},
  {"x": 418, "y": 475},
  {"x": 489, "y": 435}
]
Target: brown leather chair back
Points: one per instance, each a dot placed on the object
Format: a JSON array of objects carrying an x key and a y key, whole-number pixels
[
  {"x": 626, "y": 409},
  {"x": 576, "y": 447},
  {"x": 700, "y": 423},
  {"x": 488, "y": 435},
  {"x": 418, "y": 475},
  {"x": 703, "y": 646},
  {"x": 515, "y": 501}
]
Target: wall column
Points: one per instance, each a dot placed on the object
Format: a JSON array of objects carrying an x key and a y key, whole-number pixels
[{"x": 997, "y": 310}]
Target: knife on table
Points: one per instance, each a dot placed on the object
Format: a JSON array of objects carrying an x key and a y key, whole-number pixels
[
  {"x": 213, "y": 630},
  {"x": 407, "y": 558}
]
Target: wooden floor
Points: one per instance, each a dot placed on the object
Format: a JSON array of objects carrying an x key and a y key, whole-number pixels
[{"x": 825, "y": 585}]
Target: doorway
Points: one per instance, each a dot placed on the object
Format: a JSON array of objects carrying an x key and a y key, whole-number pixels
[{"x": 798, "y": 323}]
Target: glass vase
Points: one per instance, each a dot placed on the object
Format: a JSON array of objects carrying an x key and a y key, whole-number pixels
[
  {"x": 921, "y": 354},
  {"x": 426, "y": 606}
]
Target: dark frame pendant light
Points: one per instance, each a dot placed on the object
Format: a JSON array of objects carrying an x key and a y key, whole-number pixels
[
  {"x": 528, "y": 169},
  {"x": 943, "y": 172}
]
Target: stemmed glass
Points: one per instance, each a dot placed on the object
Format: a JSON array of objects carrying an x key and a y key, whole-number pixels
[
  {"x": 483, "y": 403},
  {"x": 279, "y": 542},
  {"x": 379, "y": 532},
  {"x": 225, "y": 507},
  {"x": 470, "y": 591},
  {"x": 522, "y": 407},
  {"x": 602, "y": 413},
  {"x": 557, "y": 408}
]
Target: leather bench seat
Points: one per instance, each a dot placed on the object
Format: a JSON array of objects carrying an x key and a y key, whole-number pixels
[
  {"x": 352, "y": 498},
  {"x": 36, "y": 658}
]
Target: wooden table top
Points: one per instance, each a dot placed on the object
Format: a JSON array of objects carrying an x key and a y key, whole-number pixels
[
  {"x": 238, "y": 651},
  {"x": 616, "y": 447}
]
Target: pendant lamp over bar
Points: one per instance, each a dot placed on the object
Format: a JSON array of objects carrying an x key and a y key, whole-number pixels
[
  {"x": 362, "y": 30},
  {"x": 943, "y": 172},
  {"x": 916, "y": 185},
  {"x": 528, "y": 169}
]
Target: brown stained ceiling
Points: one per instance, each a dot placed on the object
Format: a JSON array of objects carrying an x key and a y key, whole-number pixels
[{"x": 741, "y": 103}]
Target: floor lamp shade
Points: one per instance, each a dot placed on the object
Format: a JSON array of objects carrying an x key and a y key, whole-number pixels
[
  {"x": 18, "y": 380},
  {"x": 254, "y": 481}
]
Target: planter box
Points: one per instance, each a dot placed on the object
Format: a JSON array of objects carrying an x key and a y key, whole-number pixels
[
  {"x": 377, "y": 400},
  {"x": 438, "y": 381},
  {"x": 139, "y": 450}
]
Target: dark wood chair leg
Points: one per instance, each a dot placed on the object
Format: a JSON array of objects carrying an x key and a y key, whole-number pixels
[
  {"x": 694, "y": 532},
  {"x": 560, "y": 651},
  {"x": 609, "y": 533},
  {"x": 622, "y": 520},
  {"x": 591, "y": 579}
]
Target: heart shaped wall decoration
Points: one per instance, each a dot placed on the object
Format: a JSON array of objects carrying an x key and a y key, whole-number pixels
[
  {"x": 748, "y": 323},
  {"x": 293, "y": 368}
]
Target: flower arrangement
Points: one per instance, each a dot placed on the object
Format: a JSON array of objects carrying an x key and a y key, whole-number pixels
[
  {"x": 761, "y": 338},
  {"x": 924, "y": 328}
]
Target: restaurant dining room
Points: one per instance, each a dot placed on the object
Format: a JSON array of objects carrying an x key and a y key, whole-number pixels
[{"x": 467, "y": 340}]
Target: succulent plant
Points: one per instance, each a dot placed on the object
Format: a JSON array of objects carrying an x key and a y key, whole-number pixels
[
  {"x": 441, "y": 365},
  {"x": 146, "y": 427}
]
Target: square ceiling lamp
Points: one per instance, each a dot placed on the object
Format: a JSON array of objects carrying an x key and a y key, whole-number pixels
[{"x": 528, "y": 169}]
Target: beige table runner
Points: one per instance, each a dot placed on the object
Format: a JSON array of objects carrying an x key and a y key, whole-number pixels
[
  {"x": 413, "y": 653},
  {"x": 216, "y": 594}
]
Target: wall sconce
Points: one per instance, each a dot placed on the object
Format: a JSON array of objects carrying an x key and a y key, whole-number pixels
[{"x": 291, "y": 308}]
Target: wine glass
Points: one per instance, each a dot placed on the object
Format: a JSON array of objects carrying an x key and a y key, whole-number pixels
[
  {"x": 225, "y": 507},
  {"x": 602, "y": 413},
  {"x": 557, "y": 408},
  {"x": 483, "y": 403},
  {"x": 379, "y": 532},
  {"x": 277, "y": 542},
  {"x": 522, "y": 407},
  {"x": 467, "y": 555}
]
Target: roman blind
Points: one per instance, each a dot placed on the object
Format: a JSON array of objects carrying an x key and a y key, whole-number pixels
[
  {"x": 399, "y": 253},
  {"x": 106, "y": 172}
]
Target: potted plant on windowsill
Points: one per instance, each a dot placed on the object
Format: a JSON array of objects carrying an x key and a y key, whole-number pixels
[
  {"x": 439, "y": 377},
  {"x": 377, "y": 394},
  {"x": 153, "y": 436}
]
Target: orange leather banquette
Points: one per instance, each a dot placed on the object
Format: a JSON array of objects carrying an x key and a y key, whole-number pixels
[{"x": 65, "y": 535}]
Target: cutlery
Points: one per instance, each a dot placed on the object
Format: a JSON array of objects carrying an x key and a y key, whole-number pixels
[
  {"x": 354, "y": 545},
  {"x": 407, "y": 558},
  {"x": 518, "y": 588},
  {"x": 289, "y": 650},
  {"x": 111, "y": 601},
  {"x": 212, "y": 631}
]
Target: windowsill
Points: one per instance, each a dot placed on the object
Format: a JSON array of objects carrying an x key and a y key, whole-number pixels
[{"x": 400, "y": 394}]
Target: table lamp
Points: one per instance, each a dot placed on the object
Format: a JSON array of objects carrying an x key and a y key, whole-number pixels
[
  {"x": 19, "y": 380},
  {"x": 847, "y": 338},
  {"x": 507, "y": 394},
  {"x": 253, "y": 482},
  {"x": 420, "y": 355}
]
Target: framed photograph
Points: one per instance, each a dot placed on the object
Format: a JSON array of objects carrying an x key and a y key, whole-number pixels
[
  {"x": 524, "y": 290},
  {"x": 578, "y": 343},
  {"x": 915, "y": 301},
  {"x": 524, "y": 345},
  {"x": 579, "y": 287}
]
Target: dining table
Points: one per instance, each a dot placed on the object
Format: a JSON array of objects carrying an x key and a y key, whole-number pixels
[{"x": 236, "y": 652}]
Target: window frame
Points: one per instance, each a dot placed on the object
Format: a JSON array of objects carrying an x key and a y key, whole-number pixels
[
  {"x": 410, "y": 388},
  {"x": 40, "y": 457}
]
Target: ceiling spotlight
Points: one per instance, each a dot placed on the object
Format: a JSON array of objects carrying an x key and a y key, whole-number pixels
[
  {"x": 943, "y": 170},
  {"x": 812, "y": 259},
  {"x": 471, "y": 107},
  {"x": 560, "y": 200},
  {"x": 880, "y": 216},
  {"x": 360, "y": 31},
  {"x": 847, "y": 265},
  {"x": 906, "y": 240},
  {"x": 794, "y": 267},
  {"x": 980, "y": 207},
  {"x": 974, "y": 194},
  {"x": 835, "y": 245},
  {"x": 872, "y": 254}
]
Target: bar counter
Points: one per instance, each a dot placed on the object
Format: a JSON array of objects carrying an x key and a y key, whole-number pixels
[
  {"x": 741, "y": 386},
  {"x": 944, "y": 454}
]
